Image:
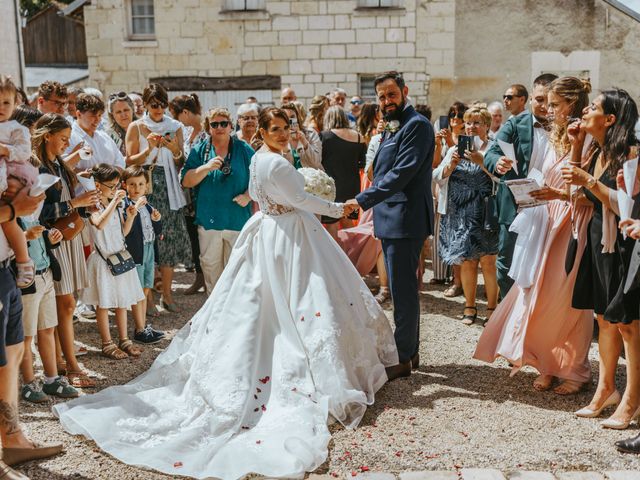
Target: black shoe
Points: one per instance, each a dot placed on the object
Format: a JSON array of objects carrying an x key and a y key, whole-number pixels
[
  {"x": 415, "y": 362},
  {"x": 148, "y": 335},
  {"x": 398, "y": 371},
  {"x": 630, "y": 445}
]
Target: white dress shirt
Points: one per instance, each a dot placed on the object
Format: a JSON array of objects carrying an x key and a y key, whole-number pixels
[{"x": 104, "y": 148}]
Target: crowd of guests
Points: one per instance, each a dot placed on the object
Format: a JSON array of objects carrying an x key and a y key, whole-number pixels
[{"x": 140, "y": 176}]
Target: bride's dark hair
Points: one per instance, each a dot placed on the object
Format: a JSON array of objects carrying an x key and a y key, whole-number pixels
[{"x": 267, "y": 115}]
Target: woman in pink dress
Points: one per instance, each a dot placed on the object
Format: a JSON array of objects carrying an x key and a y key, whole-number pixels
[{"x": 535, "y": 324}]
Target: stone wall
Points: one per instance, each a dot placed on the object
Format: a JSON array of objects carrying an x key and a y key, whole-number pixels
[
  {"x": 312, "y": 45},
  {"x": 499, "y": 42},
  {"x": 10, "y": 58}
]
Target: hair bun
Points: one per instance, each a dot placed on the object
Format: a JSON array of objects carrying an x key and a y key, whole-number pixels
[{"x": 586, "y": 85}]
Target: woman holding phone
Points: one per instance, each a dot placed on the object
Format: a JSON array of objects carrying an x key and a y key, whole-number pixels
[
  {"x": 464, "y": 240},
  {"x": 305, "y": 146}
]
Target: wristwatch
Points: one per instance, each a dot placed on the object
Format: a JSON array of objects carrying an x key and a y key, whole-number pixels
[{"x": 591, "y": 183}]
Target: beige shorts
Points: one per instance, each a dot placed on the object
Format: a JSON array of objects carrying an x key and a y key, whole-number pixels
[{"x": 39, "y": 309}]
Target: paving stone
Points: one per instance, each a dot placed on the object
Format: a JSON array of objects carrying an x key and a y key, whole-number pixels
[
  {"x": 429, "y": 475},
  {"x": 623, "y": 475},
  {"x": 481, "y": 474},
  {"x": 315, "y": 476},
  {"x": 375, "y": 476},
  {"x": 579, "y": 476},
  {"x": 530, "y": 475}
]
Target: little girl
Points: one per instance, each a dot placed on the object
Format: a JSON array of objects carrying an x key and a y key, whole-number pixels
[
  {"x": 105, "y": 290},
  {"x": 15, "y": 151}
]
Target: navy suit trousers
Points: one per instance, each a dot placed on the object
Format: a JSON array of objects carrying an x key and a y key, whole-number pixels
[{"x": 402, "y": 257}]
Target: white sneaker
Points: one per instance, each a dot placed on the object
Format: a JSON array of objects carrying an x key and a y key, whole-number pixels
[{"x": 86, "y": 311}]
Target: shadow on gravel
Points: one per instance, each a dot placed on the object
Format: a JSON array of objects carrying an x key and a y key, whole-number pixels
[{"x": 36, "y": 471}]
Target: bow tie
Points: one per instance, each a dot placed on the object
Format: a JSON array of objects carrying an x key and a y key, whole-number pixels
[{"x": 546, "y": 128}]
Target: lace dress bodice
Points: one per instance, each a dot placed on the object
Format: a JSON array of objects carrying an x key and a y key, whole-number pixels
[{"x": 279, "y": 188}]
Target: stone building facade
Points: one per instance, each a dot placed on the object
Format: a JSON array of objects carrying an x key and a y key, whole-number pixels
[
  {"x": 10, "y": 27},
  {"x": 447, "y": 49}
]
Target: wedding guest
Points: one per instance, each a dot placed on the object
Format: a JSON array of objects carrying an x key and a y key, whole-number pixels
[
  {"x": 343, "y": 155},
  {"x": 156, "y": 141},
  {"x": 218, "y": 171},
  {"x": 120, "y": 114},
  {"x": 610, "y": 119},
  {"x": 515, "y": 99},
  {"x": 338, "y": 97},
  {"x": 49, "y": 140},
  {"x": 26, "y": 116},
  {"x": 527, "y": 132},
  {"x": 72, "y": 97},
  {"x": 305, "y": 146},
  {"x": 88, "y": 145},
  {"x": 495, "y": 109},
  {"x": 355, "y": 107},
  {"x": 368, "y": 120},
  {"x": 524, "y": 329},
  {"x": 188, "y": 111},
  {"x": 424, "y": 110},
  {"x": 136, "y": 98},
  {"x": 16, "y": 447},
  {"x": 317, "y": 109},
  {"x": 287, "y": 96},
  {"x": 248, "y": 120},
  {"x": 465, "y": 240},
  {"x": 52, "y": 97}
]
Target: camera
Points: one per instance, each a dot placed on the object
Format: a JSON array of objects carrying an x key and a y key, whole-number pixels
[{"x": 225, "y": 169}]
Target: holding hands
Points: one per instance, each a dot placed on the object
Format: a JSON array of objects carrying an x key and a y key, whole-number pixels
[{"x": 350, "y": 206}]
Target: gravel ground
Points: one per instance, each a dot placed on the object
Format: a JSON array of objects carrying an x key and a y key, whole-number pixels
[{"x": 454, "y": 413}]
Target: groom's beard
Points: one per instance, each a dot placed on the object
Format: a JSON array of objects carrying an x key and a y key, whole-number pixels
[{"x": 396, "y": 113}]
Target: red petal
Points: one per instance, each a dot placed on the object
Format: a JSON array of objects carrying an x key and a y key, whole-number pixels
[
  {"x": 265, "y": 379},
  {"x": 258, "y": 442},
  {"x": 364, "y": 469},
  {"x": 177, "y": 465},
  {"x": 302, "y": 318},
  {"x": 353, "y": 474},
  {"x": 258, "y": 390},
  {"x": 398, "y": 454},
  {"x": 256, "y": 409},
  {"x": 264, "y": 409},
  {"x": 317, "y": 314}
]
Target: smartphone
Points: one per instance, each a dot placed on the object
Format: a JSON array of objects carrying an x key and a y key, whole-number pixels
[
  {"x": 465, "y": 142},
  {"x": 293, "y": 124},
  {"x": 443, "y": 122},
  {"x": 170, "y": 135}
]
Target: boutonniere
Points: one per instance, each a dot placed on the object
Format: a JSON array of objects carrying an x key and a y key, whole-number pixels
[{"x": 393, "y": 126}]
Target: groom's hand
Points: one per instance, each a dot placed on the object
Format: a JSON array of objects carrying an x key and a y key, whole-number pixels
[{"x": 350, "y": 206}]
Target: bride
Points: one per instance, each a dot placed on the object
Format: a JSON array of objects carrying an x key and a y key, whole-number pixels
[{"x": 289, "y": 337}]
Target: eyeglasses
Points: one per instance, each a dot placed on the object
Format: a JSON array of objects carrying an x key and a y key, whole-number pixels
[
  {"x": 110, "y": 187},
  {"x": 510, "y": 97},
  {"x": 222, "y": 124},
  {"x": 119, "y": 95},
  {"x": 59, "y": 103},
  {"x": 156, "y": 105},
  {"x": 356, "y": 102}
]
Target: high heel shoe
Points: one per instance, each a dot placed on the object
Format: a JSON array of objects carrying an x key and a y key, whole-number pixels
[
  {"x": 620, "y": 425},
  {"x": 586, "y": 412}
]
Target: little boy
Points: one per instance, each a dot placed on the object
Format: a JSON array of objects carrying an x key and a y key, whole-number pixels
[{"x": 140, "y": 237}]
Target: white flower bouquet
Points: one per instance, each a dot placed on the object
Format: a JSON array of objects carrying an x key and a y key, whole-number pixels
[{"x": 318, "y": 183}]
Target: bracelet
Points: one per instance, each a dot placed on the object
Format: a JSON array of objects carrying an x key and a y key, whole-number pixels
[
  {"x": 13, "y": 212},
  {"x": 178, "y": 157}
]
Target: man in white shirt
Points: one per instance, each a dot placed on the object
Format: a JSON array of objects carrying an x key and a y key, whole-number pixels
[
  {"x": 85, "y": 133},
  {"x": 495, "y": 109},
  {"x": 16, "y": 446}
]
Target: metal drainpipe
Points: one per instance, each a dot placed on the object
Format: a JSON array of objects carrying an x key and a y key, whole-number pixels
[{"x": 20, "y": 45}]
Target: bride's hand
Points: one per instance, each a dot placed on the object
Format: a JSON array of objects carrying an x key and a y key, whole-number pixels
[{"x": 349, "y": 207}]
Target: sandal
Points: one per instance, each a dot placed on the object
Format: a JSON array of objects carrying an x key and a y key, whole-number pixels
[
  {"x": 80, "y": 380},
  {"x": 129, "y": 348},
  {"x": 62, "y": 368},
  {"x": 453, "y": 291},
  {"x": 383, "y": 295},
  {"x": 569, "y": 387},
  {"x": 543, "y": 382},
  {"x": 488, "y": 317},
  {"x": 470, "y": 319},
  {"x": 111, "y": 350}
]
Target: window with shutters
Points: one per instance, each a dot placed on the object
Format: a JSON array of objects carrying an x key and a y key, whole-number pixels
[
  {"x": 243, "y": 5},
  {"x": 380, "y": 3},
  {"x": 367, "y": 91},
  {"x": 142, "y": 25}
]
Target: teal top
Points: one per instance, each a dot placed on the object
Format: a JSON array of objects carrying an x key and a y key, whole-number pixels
[
  {"x": 215, "y": 208},
  {"x": 37, "y": 248}
]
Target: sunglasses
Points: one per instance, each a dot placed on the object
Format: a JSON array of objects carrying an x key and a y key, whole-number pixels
[
  {"x": 459, "y": 116},
  {"x": 356, "y": 102},
  {"x": 510, "y": 97},
  {"x": 155, "y": 105},
  {"x": 119, "y": 95},
  {"x": 222, "y": 124}
]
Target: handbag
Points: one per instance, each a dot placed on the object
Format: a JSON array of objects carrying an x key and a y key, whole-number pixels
[
  {"x": 490, "y": 207},
  {"x": 119, "y": 262},
  {"x": 70, "y": 226}
]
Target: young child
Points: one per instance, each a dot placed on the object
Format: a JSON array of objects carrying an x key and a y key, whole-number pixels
[
  {"x": 106, "y": 290},
  {"x": 15, "y": 151},
  {"x": 142, "y": 225}
]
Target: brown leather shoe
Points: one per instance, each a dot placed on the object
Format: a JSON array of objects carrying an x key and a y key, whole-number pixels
[
  {"x": 8, "y": 473},
  {"x": 397, "y": 371},
  {"x": 198, "y": 284},
  {"x": 15, "y": 456},
  {"x": 415, "y": 361}
]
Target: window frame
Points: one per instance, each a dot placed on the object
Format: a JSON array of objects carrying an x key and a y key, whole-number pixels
[
  {"x": 228, "y": 7},
  {"x": 130, "y": 17},
  {"x": 366, "y": 90},
  {"x": 379, "y": 4}
]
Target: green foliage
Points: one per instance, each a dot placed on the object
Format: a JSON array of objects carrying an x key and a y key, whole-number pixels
[{"x": 29, "y": 8}]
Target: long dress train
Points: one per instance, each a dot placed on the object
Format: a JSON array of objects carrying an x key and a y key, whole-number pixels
[
  {"x": 289, "y": 336},
  {"x": 537, "y": 326}
]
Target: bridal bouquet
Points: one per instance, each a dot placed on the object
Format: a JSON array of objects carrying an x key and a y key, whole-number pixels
[{"x": 318, "y": 183}]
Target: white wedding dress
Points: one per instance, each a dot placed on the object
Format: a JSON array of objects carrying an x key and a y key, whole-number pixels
[{"x": 289, "y": 337}]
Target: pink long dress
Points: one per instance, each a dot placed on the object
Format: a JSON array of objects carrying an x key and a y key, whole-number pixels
[{"x": 537, "y": 326}]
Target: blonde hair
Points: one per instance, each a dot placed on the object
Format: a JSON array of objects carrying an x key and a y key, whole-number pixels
[
  {"x": 216, "y": 112},
  {"x": 317, "y": 109},
  {"x": 576, "y": 92},
  {"x": 478, "y": 111}
]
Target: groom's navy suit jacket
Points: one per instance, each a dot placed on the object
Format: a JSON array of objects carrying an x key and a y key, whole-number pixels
[{"x": 401, "y": 191}]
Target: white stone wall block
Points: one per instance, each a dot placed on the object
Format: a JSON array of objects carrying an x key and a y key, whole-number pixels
[
  {"x": 285, "y": 23},
  {"x": 332, "y": 51},
  {"x": 315, "y": 37},
  {"x": 359, "y": 51},
  {"x": 290, "y": 38},
  {"x": 342, "y": 36},
  {"x": 370, "y": 35},
  {"x": 283, "y": 53},
  {"x": 310, "y": 52},
  {"x": 406, "y": 50},
  {"x": 280, "y": 8},
  {"x": 262, "y": 53},
  {"x": 322, "y": 22},
  {"x": 323, "y": 66},
  {"x": 300, "y": 66},
  {"x": 394, "y": 34}
]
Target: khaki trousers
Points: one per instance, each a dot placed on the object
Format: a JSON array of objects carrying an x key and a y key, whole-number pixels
[{"x": 215, "y": 248}]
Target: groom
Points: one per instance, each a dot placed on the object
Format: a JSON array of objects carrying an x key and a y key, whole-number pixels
[{"x": 402, "y": 208}]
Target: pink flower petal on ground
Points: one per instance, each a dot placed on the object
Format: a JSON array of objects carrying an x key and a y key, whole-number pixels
[
  {"x": 177, "y": 465},
  {"x": 265, "y": 379}
]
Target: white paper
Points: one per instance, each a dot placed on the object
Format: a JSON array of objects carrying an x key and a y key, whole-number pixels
[
  {"x": 510, "y": 153},
  {"x": 536, "y": 175},
  {"x": 521, "y": 189},
  {"x": 625, "y": 205},
  {"x": 42, "y": 183},
  {"x": 88, "y": 184},
  {"x": 629, "y": 169}
]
